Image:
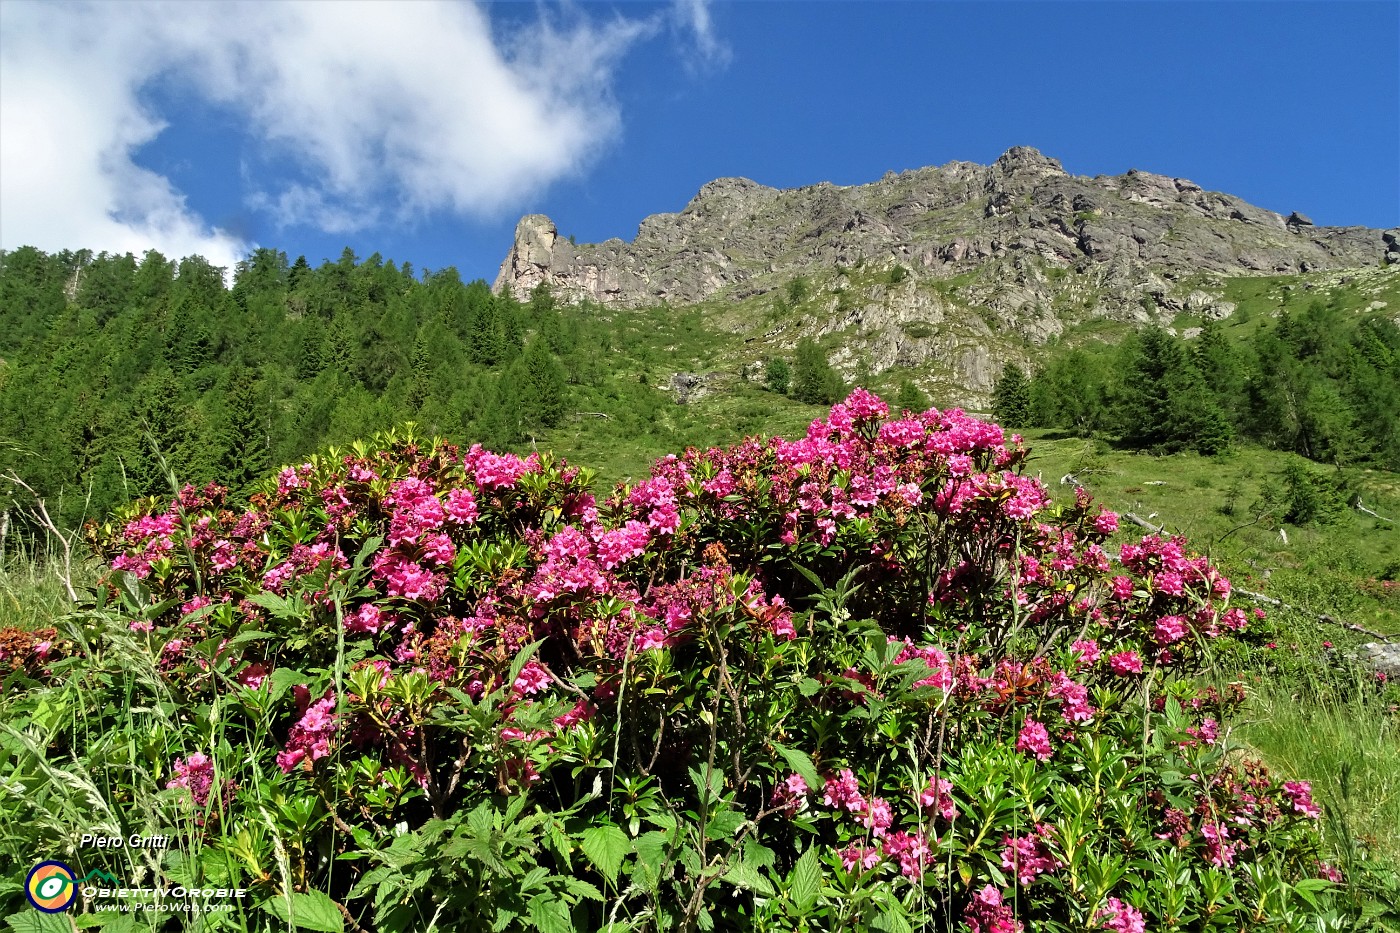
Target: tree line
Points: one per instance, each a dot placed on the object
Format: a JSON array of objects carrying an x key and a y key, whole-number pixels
[
  {"x": 116, "y": 372},
  {"x": 1324, "y": 383}
]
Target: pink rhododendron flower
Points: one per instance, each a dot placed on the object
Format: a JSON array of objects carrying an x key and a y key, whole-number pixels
[
  {"x": 790, "y": 793},
  {"x": 495, "y": 471},
  {"x": 461, "y": 507},
  {"x": 1088, "y": 651},
  {"x": 911, "y": 850},
  {"x": 843, "y": 791},
  {"x": 988, "y": 913},
  {"x": 196, "y": 774},
  {"x": 310, "y": 738},
  {"x": 1299, "y": 794},
  {"x": 1073, "y": 696},
  {"x": 1208, "y": 732},
  {"x": 1120, "y": 917},
  {"x": 532, "y": 679},
  {"x": 878, "y": 817},
  {"x": 253, "y": 675},
  {"x": 1124, "y": 663},
  {"x": 619, "y": 546},
  {"x": 1219, "y": 851},
  {"x": 368, "y": 618},
  {"x": 856, "y": 855},
  {"x": 937, "y": 797},
  {"x": 1028, "y": 856},
  {"x": 1170, "y": 629},
  {"x": 1106, "y": 522},
  {"x": 1034, "y": 739},
  {"x": 582, "y": 712}
]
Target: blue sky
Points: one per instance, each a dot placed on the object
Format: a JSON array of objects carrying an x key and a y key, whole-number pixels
[{"x": 423, "y": 131}]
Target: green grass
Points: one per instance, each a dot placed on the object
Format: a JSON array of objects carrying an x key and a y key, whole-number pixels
[
  {"x": 31, "y": 595},
  {"x": 1350, "y": 750}
]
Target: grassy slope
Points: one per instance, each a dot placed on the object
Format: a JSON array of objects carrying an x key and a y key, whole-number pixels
[{"x": 1347, "y": 747}]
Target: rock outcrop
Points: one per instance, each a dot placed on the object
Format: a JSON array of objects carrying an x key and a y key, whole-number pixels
[{"x": 1019, "y": 248}]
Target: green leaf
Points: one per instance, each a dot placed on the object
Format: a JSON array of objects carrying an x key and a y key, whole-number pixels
[
  {"x": 892, "y": 920},
  {"x": 725, "y": 823},
  {"x": 283, "y": 679},
  {"x": 550, "y": 915},
  {"x": 310, "y": 911},
  {"x": 243, "y": 638},
  {"x": 651, "y": 856},
  {"x": 805, "y": 883},
  {"x": 605, "y": 847},
  {"x": 280, "y": 607},
  {"x": 745, "y": 875},
  {"x": 34, "y": 921},
  {"x": 580, "y": 888},
  {"x": 801, "y": 765}
]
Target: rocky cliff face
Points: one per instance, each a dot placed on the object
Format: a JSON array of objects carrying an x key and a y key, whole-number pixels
[{"x": 1018, "y": 248}]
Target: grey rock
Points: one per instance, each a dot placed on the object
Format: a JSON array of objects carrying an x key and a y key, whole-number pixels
[
  {"x": 1382, "y": 657},
  {"x": 1034, "y": 250}
]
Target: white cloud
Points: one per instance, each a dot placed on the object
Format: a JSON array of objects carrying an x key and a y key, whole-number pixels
[
  {"x": 69, "y": 121},
  {"x": 413, "y": 105},
  {"x": 694, "y": 17}
]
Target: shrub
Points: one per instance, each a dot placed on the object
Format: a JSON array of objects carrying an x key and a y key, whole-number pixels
[
  {"x": 870, "y": 679},
  {"x": 777, "y": 375}
]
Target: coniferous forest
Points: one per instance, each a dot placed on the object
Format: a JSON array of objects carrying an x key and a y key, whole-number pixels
[
  {"x": 113, "y": 364},
  {"x": 1324, "y": 384}
]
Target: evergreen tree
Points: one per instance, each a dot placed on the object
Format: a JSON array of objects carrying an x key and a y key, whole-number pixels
[
  {"x": 542, "y": 391},
  {"x": 814, "y": 381},
  {"x": 778, "y": 375},
  {"x": 1011, "y": 398},
  {"x": 1072, "y": 391},
  {"x": 911, "y": 398},
  {"x": 241, "y": 435}
]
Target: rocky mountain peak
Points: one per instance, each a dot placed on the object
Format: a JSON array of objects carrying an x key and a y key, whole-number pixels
[
  {"x": 729, "y": 188},
  {"x": 1007, "y": 253},
  {"x": 1027, "y": 159}
]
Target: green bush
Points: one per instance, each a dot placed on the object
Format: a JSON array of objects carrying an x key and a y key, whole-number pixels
[{"x": 868, "y": 680}]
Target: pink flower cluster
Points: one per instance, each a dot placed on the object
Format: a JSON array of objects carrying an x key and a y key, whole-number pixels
[
  {"x": 1299, "y": 794},
  {"x": 911, "y": 851},
  {"x": 989, "y": 913},
  {"x": 1028, "y": 856},
  {"x": 195, "y": 774},
  {"x": 310, "y": 738},
  {"x": 1119, "y": 917},
  {"x": 1034, "y": 740}
]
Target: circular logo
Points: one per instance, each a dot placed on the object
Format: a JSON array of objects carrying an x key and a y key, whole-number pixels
[{"x": 51, "y": 887}]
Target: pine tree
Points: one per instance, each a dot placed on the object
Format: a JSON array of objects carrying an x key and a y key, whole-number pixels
[
  {"x": 241, "y": 434},
  {"x": 1011, "y": 398},
  {"x": 814, "y": 381},
  {"x": 542, "y": 390},
  {"x": 911, "y": 398}
]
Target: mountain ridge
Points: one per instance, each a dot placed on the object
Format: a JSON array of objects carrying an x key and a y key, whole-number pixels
[{"x": 1013, "y": 252}]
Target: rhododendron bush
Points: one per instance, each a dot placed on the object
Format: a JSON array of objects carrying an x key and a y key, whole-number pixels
[{"x": 872, "y": 678}]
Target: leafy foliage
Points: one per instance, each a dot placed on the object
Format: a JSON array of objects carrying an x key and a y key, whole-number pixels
[{"x": 871, "y": 679}]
